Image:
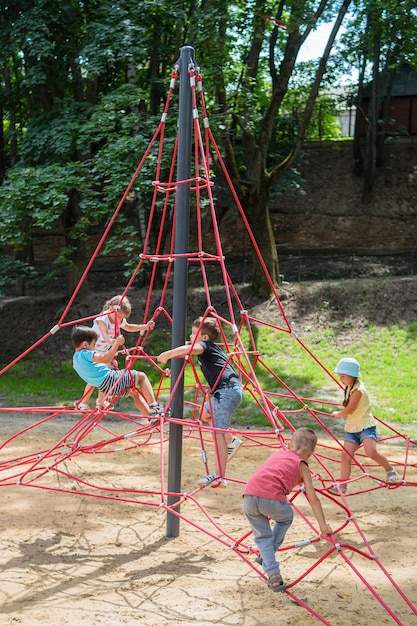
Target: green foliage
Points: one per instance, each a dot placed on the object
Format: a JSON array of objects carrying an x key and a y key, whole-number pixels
[
  {"x": 51, "y": 138},
  {"x": 84, "y": 84},
  {"x": 116, "y": 34},
  {"x": 32, "y": 197},
  {"x": 323, "y": 123},
  {"x": 117, "y": 114},
  {"x": 390, "y": 23},
  {"x": 38, "y": 196},
  {"x": 11, "y": 269}
]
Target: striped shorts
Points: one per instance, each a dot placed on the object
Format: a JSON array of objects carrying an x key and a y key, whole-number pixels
[{"x": 119, "y": 382}]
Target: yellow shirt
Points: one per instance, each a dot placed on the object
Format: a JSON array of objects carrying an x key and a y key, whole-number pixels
[{"x": 361, "y": 417}]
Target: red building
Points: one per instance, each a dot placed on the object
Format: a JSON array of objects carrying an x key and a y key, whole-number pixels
[{"x": 401, "y": 87}]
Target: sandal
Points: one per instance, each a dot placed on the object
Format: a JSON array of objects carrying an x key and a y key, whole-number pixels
[
  {"x": 276, "y": 583},
  {"x": 392, "y": 476},
  {"x": 104, "y": 404}
]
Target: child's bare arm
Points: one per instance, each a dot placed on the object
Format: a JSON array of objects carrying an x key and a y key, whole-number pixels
[
  {"x": 355, "y": 396},
  {"x": 107, "y": 357},
  {"x": 138, "y": 328},
  {"x": 180, "y": 351},
  {"x": 314, "y": 500},
  {"x": 104, "y": 332}
]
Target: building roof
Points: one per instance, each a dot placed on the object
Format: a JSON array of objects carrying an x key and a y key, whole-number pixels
[{"x": 404, "y": 83}]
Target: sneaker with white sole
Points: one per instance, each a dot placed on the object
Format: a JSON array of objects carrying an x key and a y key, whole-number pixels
[
  {"x": 233, "y": 447},
  {"x": 392, "y": 476},
  {"x": 156, "y": 409},
  {"x": 219, "y": 483},
  {"x": 207, "y": 480}
]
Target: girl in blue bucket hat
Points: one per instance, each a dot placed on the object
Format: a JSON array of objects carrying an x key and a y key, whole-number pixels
[{"x": 360, "y": 424}]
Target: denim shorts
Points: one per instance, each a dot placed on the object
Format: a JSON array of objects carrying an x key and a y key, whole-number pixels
[
  {"x": 366, "y": 433},
  {"x": 222, "y": 404}
]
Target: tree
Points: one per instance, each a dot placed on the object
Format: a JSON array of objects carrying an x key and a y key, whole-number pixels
[
  {"x": 82, "y": 81},
  {"x": 380, "y": 38},
  {"x": 69, "y": 102},
  {"x": 265, "y": 55}
]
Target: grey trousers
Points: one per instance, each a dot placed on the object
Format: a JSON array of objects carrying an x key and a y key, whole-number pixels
[{"x": 268, "y": 540}]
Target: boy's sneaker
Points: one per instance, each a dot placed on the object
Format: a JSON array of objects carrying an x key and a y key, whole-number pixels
[
  {"x": 233, "y": 447},
  {"x": 219, "y": 483},
  {"x": 207, "y": 480},
  {"x": 156, "y": 409},
  {"x": 392, "y": 476}
]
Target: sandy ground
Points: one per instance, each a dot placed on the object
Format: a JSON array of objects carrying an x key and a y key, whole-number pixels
[{"x": 71, "y": 559}]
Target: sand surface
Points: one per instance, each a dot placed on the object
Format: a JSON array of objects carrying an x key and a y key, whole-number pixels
[{"x": 105, "y": 559}]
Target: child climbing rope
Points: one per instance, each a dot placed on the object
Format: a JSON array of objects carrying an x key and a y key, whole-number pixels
[
  {"x": 107, "y": 325},
  {"x": 265, "y": 497},
  {"x": 93, "y": 368},
  {"x": 226, "y": 389},
  {"x": 360, "y": 425}
]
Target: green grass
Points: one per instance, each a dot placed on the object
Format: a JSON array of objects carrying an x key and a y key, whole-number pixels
[
  {"x": 387, "y": 356},
  {"x": 39, "y": 382}
]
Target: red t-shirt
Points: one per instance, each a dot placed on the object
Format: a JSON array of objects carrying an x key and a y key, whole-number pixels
[{"x": 276, "y": 477}]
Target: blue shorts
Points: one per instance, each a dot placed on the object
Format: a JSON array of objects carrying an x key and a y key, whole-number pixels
[
  {"x": 357, "y": 438},
  {"x": 222, "y": 404}
]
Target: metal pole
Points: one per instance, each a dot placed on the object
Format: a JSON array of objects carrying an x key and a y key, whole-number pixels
[{"x": 179, "y": 308}]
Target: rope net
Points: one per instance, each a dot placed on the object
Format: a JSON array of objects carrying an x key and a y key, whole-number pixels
[{"x": 108, "y": 430}]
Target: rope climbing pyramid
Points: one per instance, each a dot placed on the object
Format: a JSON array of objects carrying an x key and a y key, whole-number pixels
[{"x": 108, "y": 429}]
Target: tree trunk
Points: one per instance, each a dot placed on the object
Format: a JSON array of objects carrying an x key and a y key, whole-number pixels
[
  {"x": 370, "y": 139},
  {"x": 257, "y": 211},
  {"x": 360, "y": 114},
  {"x": 25, "y": 256},
  {"x": 256, "y": 181},
  {"x": 12, "y": 116},
  {"x": 3, "y": 164},
  {"x": 76, "y": 261}
]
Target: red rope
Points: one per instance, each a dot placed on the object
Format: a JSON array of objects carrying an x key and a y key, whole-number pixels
[{"x": 268, "y": 399}]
